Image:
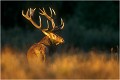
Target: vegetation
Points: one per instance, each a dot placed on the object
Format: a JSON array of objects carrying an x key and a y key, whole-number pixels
[{"x": 91, "y": 65}]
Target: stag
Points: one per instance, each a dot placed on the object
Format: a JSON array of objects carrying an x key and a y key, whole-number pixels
[{"x": 38, "y": 51}]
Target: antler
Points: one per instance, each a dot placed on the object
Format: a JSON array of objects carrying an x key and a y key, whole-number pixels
[
  {"x": 30, "y": 13},
  {"x": 43, "y": 12}
]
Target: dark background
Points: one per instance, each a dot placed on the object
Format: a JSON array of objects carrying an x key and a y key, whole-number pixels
[{"x": 88, "y": 25}]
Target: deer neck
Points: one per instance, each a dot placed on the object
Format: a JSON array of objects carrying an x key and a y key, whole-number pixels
[{"x": 46, "y": 41}]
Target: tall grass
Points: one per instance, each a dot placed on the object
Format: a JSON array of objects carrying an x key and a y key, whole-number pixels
[{"x": 75, "y": 65}]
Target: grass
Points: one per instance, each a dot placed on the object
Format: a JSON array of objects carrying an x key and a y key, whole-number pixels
[{"x": 67, "y": 65}]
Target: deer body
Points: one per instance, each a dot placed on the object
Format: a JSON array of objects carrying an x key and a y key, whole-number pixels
[{"x": 37, "y": 52}]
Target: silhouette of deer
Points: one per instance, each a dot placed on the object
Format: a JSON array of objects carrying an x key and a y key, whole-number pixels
[{"x": 37, "y": 52}]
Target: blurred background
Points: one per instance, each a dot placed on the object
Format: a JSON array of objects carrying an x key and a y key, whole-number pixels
[
  {"x": 91, "y": 34},
  {"x": 88, "y": 24}
]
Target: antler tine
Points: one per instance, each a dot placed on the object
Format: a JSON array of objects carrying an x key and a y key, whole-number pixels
[
  {"x": 40, "y": 21},
  {"x": 47, "y": 24},
  {"x": 32, "y": 11},
  {"x": 62, "y": 23},
  {"x": 54, "y": 11},
  {"x": 50, "y": 11},
  {"x": 28, "y": 15},
  {"x": 27, "y": 12}
]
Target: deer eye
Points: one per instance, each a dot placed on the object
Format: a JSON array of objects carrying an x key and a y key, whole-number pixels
[
  {"x": 62, "y": 40},
  {"x": 53, "y": 36}
]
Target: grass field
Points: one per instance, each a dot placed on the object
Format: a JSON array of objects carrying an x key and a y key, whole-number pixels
[{"x": 90, "y": 65}]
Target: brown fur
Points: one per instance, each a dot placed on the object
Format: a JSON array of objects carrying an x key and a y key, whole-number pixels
[{"x": 39, "y": 51}]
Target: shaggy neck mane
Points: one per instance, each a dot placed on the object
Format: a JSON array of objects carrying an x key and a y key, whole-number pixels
[{"x": 46, "y": 41}]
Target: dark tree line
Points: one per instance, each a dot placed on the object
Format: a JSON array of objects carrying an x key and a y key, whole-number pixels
[{"x": 88, "y": 24}]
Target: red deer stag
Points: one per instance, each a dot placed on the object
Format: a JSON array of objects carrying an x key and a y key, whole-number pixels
[{"x": 37, "y": 52}]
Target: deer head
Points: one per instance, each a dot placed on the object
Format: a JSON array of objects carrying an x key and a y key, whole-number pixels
[{"x": 55, "y": 39}]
